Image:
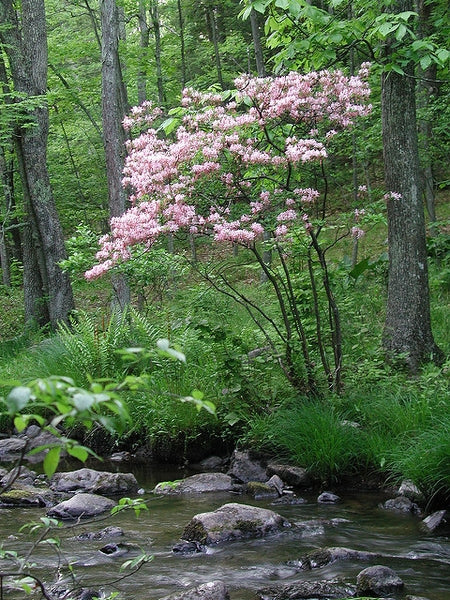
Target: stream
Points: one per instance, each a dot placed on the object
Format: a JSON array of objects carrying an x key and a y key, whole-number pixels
[{"x": 421, "y": 559}]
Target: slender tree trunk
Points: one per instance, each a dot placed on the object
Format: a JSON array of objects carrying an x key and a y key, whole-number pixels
[
  {"x": 407, "y": 331},
  {"x": 256, "y": 35},
  {"x": 144, "y": 38},
  {"x": 154, "y": 12},
  {"x": 114, "y": 108},
  {"x": 26, "y": 46},
  {"x": 215, "y": 40},
  {"x": 427, "y": 88},
  {"x": 182, "y": 45}
]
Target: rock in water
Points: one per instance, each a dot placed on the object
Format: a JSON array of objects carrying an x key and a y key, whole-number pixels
[
  {"x": 233, "y": 521},
  {"x": 378, "y": 581},
  {"x": 81, "y": 506}
]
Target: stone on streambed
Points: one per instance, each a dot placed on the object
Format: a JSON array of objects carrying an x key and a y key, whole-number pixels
[
  {"x": 378, "y": 580},
  {"x": 307, "y": 589},
  {"x": 435, "y": 521},
  {"x": 25, "y": 496},
  {"x": 196, "y": 484},
  {"x": 244, "y": 468},
  {"x": 233, "y": 521},
  {"x": 326, "y": 556},
  {"x": 295, "y": 476},
  {"x": 81, "y": 506},
  {"x": 96, "y": 482},
  {"x": 213, "y": 590},
  {"x": 402, "y": 504}
]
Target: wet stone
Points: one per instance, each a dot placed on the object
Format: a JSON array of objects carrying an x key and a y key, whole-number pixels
[
  {"x": 378, "y": 580},
  {"x": 328, "y": 498}
]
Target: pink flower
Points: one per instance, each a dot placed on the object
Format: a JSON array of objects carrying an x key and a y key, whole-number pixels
[{"x": 357, "y": 233}]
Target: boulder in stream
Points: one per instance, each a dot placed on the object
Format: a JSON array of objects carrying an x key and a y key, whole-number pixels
[
  {"x": 402, "y": 504},
  {"x": 95, "y": 482},
  {"x": 378, "y": 580},
  {"x": 244, "y": 468},
  {"x": 295, "y": 476},
  {"x": 435, "y": 520},
  {"x": 231, "y": 522},
  {"x": 25, "y": 496},
  {"x": 81, "y": 506},
  {"x": 325, "y": 556},
  {"x": 213, "y": 590},
  {"x": 307, "y": 589},
  {"x": 196, "y": 484}
]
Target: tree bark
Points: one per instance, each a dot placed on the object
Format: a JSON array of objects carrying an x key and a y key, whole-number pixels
[
  {"x": 114, "y": 107},
  {"x": 256, "y": 35},
  {"x": 25, "y": 43},
  {"x": 154, "y": 12},
  {"x": 144, "y": 37},
  {"x": 407, "y": 331}
]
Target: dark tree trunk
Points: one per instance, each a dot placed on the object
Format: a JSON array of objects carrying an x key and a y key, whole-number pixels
[
  {"x": 154, "y": 12},
  {"x": 215, "y": 39},
  {"x": 407, "y": 332},
  {"x": 144, "y": 37},
  {"x": 26, "y": 46},
  {"x": 256, "y": 35},
  {"x": 114, "y": 107},
  {"x": 182, "y": 45}
]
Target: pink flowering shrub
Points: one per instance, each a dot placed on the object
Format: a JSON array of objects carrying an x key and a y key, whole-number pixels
[{"x": 234, "y": 168}]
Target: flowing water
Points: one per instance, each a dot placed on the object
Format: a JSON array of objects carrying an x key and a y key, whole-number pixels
[{"x": 422, "y": 560}]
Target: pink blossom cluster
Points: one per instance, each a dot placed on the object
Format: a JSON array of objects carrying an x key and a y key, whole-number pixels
[{"x": 231, "y": 152}]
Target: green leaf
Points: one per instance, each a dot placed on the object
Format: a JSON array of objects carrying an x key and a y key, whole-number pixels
[
  {"x": 51, "y": 460},
  {"x": 78, "y": 452},
  {"x": 20, "y": 423},
  {"x": 17, "y": 399}
]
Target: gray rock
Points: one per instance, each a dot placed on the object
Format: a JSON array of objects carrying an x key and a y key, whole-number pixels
[
  {"x": 245, "y": 469},
  {"x": 233, "y": 521},
  {"x": 328, "y": 498},
  {"x": 107, "y": 532},
  {"x": 289, "y": 499},
  {"x": 35, "y": 439},
  {"x": 307, "y": 589},
  {"x": 97, "y": 482},
  {"x": 378, "y": 580},
  {"x": 81, "y": 506},
  {"x": 11, "y": 449},
  {"x": 325, "y": 556},
  {"x": 25, "y": 496},
  {"x": 19, "y": 474},
  {"x": 260, "y": 491},
  {"x": 402, "y": 504},
  {"x": 185, "y": 547},
  {"x": 296, "y": 476},
  {"x": 435, "y": 520},
  {"x": 213, "y": 590},
  {"x": 276, "y": 482},
  {"x": 409, "y": 489},
  {"x": 196, "y": 484}
]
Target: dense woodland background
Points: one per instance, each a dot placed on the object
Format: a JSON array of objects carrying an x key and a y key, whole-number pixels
[{"x": 61, "y": 157}]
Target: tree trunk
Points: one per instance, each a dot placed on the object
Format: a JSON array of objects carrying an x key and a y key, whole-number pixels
[
  {"x": 427, "y": 89},
  {"x": 407, "y": 331},
  {"x": 144, "y": 37},
  {"x": 157, "y": 33},
  {"x": 215, "y": 40},
  {"x": 114, "y": 107},
  {"x": 26, "y": 46},
  {"x": 182, "y": 45},
  {"x": 256, "y": 35}
]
